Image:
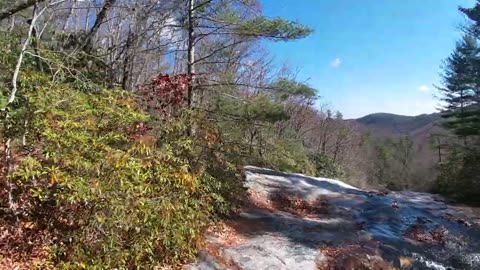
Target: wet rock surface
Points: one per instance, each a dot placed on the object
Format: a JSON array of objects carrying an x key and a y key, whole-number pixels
[{"x": 299, "y": 222}]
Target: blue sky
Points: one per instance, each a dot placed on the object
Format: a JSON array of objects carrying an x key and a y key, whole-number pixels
[{"x": 370, "y": 56}]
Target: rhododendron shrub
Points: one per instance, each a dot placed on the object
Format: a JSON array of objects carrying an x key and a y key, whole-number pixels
[{"x": 104, "y": 184}]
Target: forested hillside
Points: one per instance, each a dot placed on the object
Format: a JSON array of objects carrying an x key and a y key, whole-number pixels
[
  {"x": 403, "y": 149},
  {"x": 400, "y": 124}
]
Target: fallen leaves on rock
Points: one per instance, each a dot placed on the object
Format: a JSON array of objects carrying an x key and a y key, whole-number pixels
[
  {"x": 439, "y": 233},
  {"x": 298, "y": 206},
  {"x": 215, "y": 251},
  {"x": 226, "y": 234},
  {"x": 292, "y": 204},
  {"x": 453, "y": 218},
  {"x": 353, "y": 257},
  {"x": 418, "y": 232},
  {"x": 258, "y": 200}
]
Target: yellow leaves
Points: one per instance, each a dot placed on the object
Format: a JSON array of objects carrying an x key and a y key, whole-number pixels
[
  {"x": 148, "y": 163},
  {"x": 54, "y": 175},
  {"x": 145, "y": 144},
  {"x": 71, "y": 124},
  {"x": 100, "y": 219},
  {"x": 405, "y": 262},
  {"x": 49, "y": 116},
  {"x": 94, "y": 184},
  {"x": 127, "y": 101},
  {"x": 187, "y": 180},
  {"x": 111, "y": 157},
  {"x": 91, "y": 122},
  {"x": 146, "y": 140}
]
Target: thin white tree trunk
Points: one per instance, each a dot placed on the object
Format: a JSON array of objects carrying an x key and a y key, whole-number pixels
[
  {"x": 191, "y": 52},
  {"x": 7, "y": 139}
]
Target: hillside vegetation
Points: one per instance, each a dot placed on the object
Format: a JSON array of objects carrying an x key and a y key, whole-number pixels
[
  {"x": 125, "y": 126},
  {"x": 403, "y": 149}
]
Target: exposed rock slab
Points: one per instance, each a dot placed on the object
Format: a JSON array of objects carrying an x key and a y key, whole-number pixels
[{"x": 300, "y": 222}]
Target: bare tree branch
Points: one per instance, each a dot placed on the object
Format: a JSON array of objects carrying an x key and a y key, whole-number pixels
[
  {"x": 98, "y": 22},
  {"x": 17, "y": 7}
]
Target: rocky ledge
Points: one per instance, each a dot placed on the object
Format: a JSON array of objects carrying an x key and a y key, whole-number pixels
[{"x": 294, "y": 221}]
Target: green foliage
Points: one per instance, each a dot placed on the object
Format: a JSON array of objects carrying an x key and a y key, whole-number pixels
[
  {"x": 287, "y": 88},
  {"x": 259, "y": 108},
  {"x": 122, "y": 196},
  {"x": 248, "y": 127},
  {"x": 114, "y": 187},
  {"x": 3, "y": 102},
  {"x": 460, "y": 177},
  {"x": 276, "y": 29},
  {"x": 460, "y": 89},
  {"x": 325, "y": 166},
  {"x": 392, "y": 163},
  {"x": 263, "y": 109},
  {"x": 288, "y": 156}
]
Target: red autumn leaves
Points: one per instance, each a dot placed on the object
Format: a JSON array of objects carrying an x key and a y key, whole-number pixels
[{"x": 164, "y": 94}]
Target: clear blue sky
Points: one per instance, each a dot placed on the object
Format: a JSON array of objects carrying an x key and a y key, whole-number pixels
[{"x": 370, "y": 56}]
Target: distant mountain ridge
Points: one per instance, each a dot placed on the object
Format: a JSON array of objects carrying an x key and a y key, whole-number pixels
[
  {"x": 420, "y": 128},
  {"x": 400, "y": 124}
]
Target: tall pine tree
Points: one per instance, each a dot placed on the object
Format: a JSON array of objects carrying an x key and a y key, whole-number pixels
[
  {"x": 460, "y": 175},
  {"x": 460, "y": 89}
]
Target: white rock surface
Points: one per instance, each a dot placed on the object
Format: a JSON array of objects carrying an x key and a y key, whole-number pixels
[{"x": 291, "y": 242}]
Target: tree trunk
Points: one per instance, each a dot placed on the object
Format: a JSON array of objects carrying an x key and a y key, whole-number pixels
[
  {"x": 191, "y": 52},
  {"x": 126, "y": 61},
  {"x": 98, "y": 22}
]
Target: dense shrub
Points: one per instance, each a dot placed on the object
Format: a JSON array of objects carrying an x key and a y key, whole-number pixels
[
  {"x": 327, "y": 167},
  {"x": 288, "y": 156},
  {"x": 460, "y": 176},
  {"x": 118, "y": 189},
  {"x": 103, "y": 183},
  {"x": 249, "y": 129}
]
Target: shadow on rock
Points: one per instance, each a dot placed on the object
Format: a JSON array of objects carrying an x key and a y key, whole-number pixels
[{"x": 291, "y": 221}]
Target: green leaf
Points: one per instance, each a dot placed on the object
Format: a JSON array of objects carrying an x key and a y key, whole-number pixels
[{"x": 3, "y": 102}]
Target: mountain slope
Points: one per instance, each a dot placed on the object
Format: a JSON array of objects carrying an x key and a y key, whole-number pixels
[
  {"x": 383, "y": 127},
  {"x": 399, "y": 124}
]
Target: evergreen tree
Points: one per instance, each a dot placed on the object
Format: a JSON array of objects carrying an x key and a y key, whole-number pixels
[
  {"x": 460, "y": 89},
  {"x": 461, "y": 74},
  {"x": 460, "y": 174}
]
